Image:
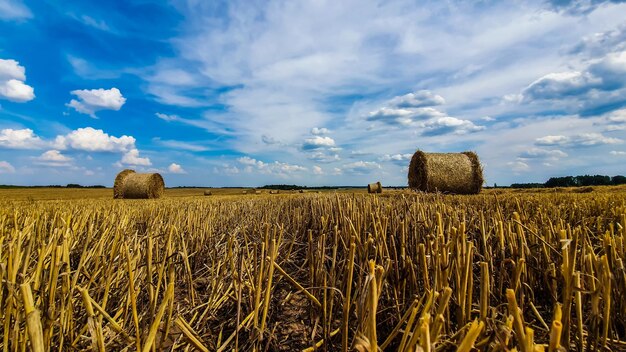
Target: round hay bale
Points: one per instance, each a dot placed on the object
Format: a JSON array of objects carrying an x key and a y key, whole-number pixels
[
  {"x": 459, "y": 173},
  {"x": 274, "y": 191},
  {"x": 257, "y": 192},
  {"x": 208, "y": 193},
  {"x": 301, "y": 191},
  {"x": 244, "y": 192},
  {"x": 131, "y": 185},
  {"x": 375, "y": 188}
]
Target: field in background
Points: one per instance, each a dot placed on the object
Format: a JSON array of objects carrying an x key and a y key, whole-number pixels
[
  {"x": 104, "y": 193},
  {"x": 336, "y": 270},
  {"x": 107, "y": 193}
]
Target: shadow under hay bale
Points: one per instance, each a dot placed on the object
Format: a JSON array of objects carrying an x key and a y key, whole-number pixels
[
  {"x": 131, "y": 185},
  {"x": 375, "y": 188},
  {"x": 208, "y": 193},
  {"x": 459, "y": 173}
]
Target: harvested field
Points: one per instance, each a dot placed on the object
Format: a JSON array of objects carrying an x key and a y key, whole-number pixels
[{"x": 336, "y": 271}]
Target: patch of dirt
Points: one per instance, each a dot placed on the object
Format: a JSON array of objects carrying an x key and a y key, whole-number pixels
[{"x": 293, "y": 329}]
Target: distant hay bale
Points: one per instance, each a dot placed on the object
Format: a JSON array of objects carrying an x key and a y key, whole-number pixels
[
  {"x": 375, "y": 188},
  {"x": 587, "y": 189},
  {"x": 459, "y": 173},
  {"x": 244, "y": 192},
  {"x": 274, "y": 191},
  {"x": 301, "y": 191},
  {"x": 257, "y": 192},
  {"x": 208, "y": 193},
  {"x": 131, "y": 185}
]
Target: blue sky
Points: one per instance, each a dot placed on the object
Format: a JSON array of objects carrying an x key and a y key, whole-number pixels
[{"x": 225, "y": 93}]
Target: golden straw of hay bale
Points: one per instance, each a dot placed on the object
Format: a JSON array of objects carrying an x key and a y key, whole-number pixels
[
  {"x": 131, "y": 185},
  {"x": 459, "y": 173},
  {"x": 257, "y": 192},
  {"x": 208, "y": 193},
  {"x": 375, "y": 188},
  {"x": 274, "y": 191}
]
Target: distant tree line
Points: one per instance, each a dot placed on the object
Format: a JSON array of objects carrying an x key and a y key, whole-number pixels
[
  {"x": 575, "y": 181},
  {"x": 527, "y": 185},
  {"x": 290, "y": 187},
  {"x": 586, "y": 180}
]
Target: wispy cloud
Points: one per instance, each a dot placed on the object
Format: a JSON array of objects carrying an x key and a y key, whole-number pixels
[{"x": 14, "y": 10}]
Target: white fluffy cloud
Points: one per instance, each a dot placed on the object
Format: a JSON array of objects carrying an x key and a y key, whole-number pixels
[
  {"x": 176, "y": 169},
  {"x": 20, "y": 139},
  {"x": 578, "y": 140},
  {"x": 449, "y": 125},
  {"x": 395, "y": 116},
  {"x": 416, "y": 110},
  {"x": 560, "y": 85},
  {"x": 85, "y": 139},
  {"x": 618, "y": 152},
  {"x": 318, "y": 142},
  {"x": 324, "y": 156},
  {"x": 53, "y": 158},
  {"x": 275, "y": 168},
  {"x": 91, "y": 101},
  {"x": 597, "y": 83},
  {"x": 6, "y": 168},
  {"x": 419, "y": 99},
  {"x": 319, "y": 131},
  {"x": 132, "y": 157},
  {"x": 317, "y": 170},
  {"x": 12, "y": 77},
  {"x": 92, "y": 140},
  {"x": 398, "y": 159}
]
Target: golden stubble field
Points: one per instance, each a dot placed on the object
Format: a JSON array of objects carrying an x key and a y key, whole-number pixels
[{"x": 502, "y": 270}]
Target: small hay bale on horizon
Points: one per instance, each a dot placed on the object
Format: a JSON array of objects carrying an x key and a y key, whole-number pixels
[
  {"x": 132, "y": 185},
  {"x": 257, "y": 192},
  {"x": 375, "y": 187},
  {"x": 207, "y": 193},
  {"x": 244, "y": 192},
  {"x": 458, "y": 173},
  {"x": 274, "y": 191}
]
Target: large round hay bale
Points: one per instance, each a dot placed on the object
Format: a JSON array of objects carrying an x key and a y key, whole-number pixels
[
  {"x": 208, "y": 193},
  {"x": 375, "y": 188},
  {"x": 459, "y": 173},
  {"x": 131, "y": 185}
]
